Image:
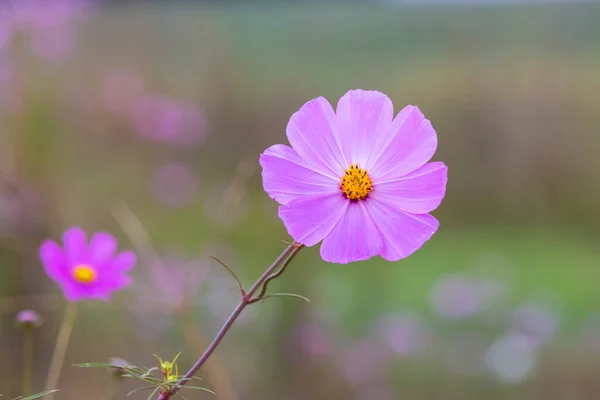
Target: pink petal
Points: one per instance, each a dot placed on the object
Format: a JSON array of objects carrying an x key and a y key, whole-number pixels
[
  {"x": 364, "y": 118},
  {"x": 102, "y": 246},
  {"x": 419, "y": 192},
  {"x": 309, "y": 221},
  {"x": 123, "y": 262},
  {"x": 312, "y": 132},
  {"x": 402, "y": 233},
  {"x": 286, "y": 176},
  {"x": 75, "y": 242},
  {"x": 354, "y": 238},
  {"x": 72, "y": 291},
  {"x": 55, "y": 261},
  {"x": 412, "y": 142}
]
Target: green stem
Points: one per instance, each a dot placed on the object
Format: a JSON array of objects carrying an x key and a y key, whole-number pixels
[
  {"x": 27, "y": 361},
  {"x": 60, "y": 348}
]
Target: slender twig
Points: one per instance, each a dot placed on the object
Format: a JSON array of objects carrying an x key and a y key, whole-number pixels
[
  {"x": 274, "y": 275},
  {"x": 289, "y": 253},
  {"x": 241, "y": 287},
  {"x": 60, "y": 349},
  {"x": 217, "y": 376}
]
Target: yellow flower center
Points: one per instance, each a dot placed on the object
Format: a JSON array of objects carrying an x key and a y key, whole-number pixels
[
  {"x": 356, "y": 183},
  {"x": 84, "y": 274}
]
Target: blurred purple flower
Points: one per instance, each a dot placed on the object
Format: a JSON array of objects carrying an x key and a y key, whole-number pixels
[
  {"x": 87, "y": 270},
  {"x": 404, "y": 334},
  {"x": 175, "y": 185},
  {"x": 535, "y": 321},
  {"x": 512, "y": 358},
  {"x": 169, "y": 121},
  {"x": 364, "y": 361},
  {"x": 28, "y": 319},
  {"x": 120, "y": 90},
  {"x": 48, "y": 23}
]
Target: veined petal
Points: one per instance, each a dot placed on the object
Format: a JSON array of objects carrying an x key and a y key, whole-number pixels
[
  {"x": 309, "y": 221},
  {"x": 412, "y": 141},
  {"x": 55, "y": 261},
  {"x": 75, "y": 242},
  {"x": 402, "y": 233},
  {"x": 312, "y": 132},
  {"x": 419, "y": 192},
  {"x": 286, "y": 176},
  {"x": 354, "y": 238},
  {"x": 364, "y": 118},
  {"x": 102, "y": 246}
]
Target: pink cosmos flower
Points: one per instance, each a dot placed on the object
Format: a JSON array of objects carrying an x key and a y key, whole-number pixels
[
  {"x": 357, "y": 178},
  {"x": 87, "y": 271}
]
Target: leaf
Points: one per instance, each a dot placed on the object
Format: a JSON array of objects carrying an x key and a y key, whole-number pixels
[{"x": 37, "y": 396}]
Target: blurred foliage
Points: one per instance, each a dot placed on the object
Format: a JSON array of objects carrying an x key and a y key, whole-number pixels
[{"x": 513, "y": 94}]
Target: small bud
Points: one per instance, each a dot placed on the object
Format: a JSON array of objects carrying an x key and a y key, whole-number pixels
[
  {"x": 119, "y": 366},
  {"x": 28, "y": 320}
]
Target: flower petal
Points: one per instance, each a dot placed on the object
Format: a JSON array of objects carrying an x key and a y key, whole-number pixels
[
  {"x": 354, "y": 238},
  {"x": 55, "y": 261},
  {"x": 286, "y": 176},
  {"x": 102, "y": 246},
  {"x": 309, "y": 221},
  {"x": 75, "y": 242},
  {"x": 364, "y": 118},
  {"x": 419, "y": 192},
  {"x": 402, "y": 233},
  {"x": 312, "y": 132},
  {"x": 123, "y": 262},
  {"x": 412, "y": 142},
  {"x": 72, "y": 291}
]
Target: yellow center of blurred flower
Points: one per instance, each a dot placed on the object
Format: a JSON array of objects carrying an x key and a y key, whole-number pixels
[
  {"x": 356, "y": 183},
  {"x": 84, "y": 274}
]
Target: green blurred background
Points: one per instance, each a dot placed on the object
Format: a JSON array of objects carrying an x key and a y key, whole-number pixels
[{"x": 147, "y": 119}]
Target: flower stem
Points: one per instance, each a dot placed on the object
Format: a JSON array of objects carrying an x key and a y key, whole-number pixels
[
  {"x": 216, "y": 375},
  {"x": 27, "y": 361},
  {"x": 60, "y": 348},
  {"x": 247, "y": 298}
]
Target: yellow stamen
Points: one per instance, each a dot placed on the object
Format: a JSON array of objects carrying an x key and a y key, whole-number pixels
[
  {"x": 84, "y": 273},
  {"x": 356, "y": 183}
]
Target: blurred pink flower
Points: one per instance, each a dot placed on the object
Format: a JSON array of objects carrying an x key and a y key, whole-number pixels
[
  {"x": 48, "y": 23},
  {"x": 356, "y": 178},
  {"x": 175, "y": 185},
  {"x": 87, "y": 270},
  {"x": 166, "y": 120}
]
